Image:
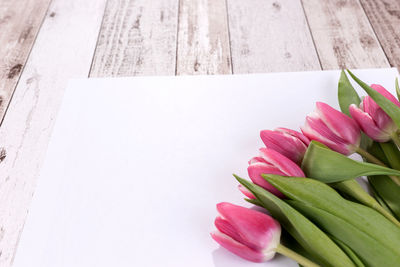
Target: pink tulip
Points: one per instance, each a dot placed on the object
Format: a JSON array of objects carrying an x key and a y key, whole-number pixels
[
  {"x": 271, "y": 162},
  {"x": 288, "y": 142},
  {"x": 332, "y": 128},
  {"x": 247, "y": 233},
  {"x": 246, "y": 192},
  {"x": 372, "y": 119}
]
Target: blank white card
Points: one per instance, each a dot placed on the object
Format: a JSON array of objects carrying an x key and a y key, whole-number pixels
[{"x": 135, "y": 166}]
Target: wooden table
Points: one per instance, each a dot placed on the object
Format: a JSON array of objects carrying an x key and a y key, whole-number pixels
[{"x": 43, "y": 43}]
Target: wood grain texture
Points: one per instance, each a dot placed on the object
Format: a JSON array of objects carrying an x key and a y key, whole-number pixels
[
  {"x": 20, "y": 21},
  {"x": 63, "y": 49},
  {"x": 203, "y": 38},
  {"x": 343, "y": 35},
  {"x": 138, "y": 37},
  {"x": 270, "y": 35},
  {"x": 385, "y": 19}
]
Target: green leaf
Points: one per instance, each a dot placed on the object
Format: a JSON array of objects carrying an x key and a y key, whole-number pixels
[
  {"x": 322, "y": 196},
  {"x": 397, "y": 88},
  {"x": 254, "y": 202},
  {"x": 353, "y": 256},
  {"x": 354, "y": 189},
  {"x": 305, "y": 232},
  {"x": 390, "y": 108},
  {"x": 346, "y": 94},
  {"x": 388, "y": 191},
  {"x": 322, "y": 164},
  {"x": 392, "y": 154},
  {"x": 380, "y": 200},
  {"x": 371, "y": 252},
  {"x": 376, "y": 150},
  {"x": 365, "y": 142},
  {"x": 288, "y": 241}
]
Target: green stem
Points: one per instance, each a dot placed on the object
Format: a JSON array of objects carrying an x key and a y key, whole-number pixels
[
  {"x": 354, "y": 189},
  {"x": 372, "y": 159},
  {"x": 396, "y": 139},
  {"x": 297, "y": 257}
]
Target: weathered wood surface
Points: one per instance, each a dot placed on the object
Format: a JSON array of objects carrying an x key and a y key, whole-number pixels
[
  {"x": 63, "y": 49},
  {"x": 270, "y": 36},
  {"x": 385, "y": 19},
  {"x": 203, "y": 38},
  {"x": 20, "y": 21},
  {"x": 343, "y": 35},
  {"x": 137, "y": 37}
]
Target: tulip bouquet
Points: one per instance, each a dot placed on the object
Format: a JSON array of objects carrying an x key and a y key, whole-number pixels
[{"x": 305, "y": 182}]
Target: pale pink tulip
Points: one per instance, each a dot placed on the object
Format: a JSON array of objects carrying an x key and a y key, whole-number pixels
[
  {"x": 271, "y": 162},
  {"x": 246, "y": 192},
  {"x": 247, "y": 233},
  {"x": 332, "y": 128},
  {"x": 288, "y": 142},
  {"x": 372, "y": 119}
]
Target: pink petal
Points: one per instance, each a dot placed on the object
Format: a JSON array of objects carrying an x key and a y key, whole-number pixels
[
  {"x": 258, "y": 159},
  {"x": 226, "y": 228},
  {"x": 256, "y": 169},
  {"x": 246, "y": 192},
  {"x": 368, "y": 125},
  {"x": 381, "y": 119},
  {"x": 294, "y": 133},
  {"x": 315, "y": 129},
  {"x": 385, "y": 93},
  {"x": 238, "y": 248},
  {"x": 284, "y": 143},
  {"x": 284, "y": 164},
  {"x": 342, "y": 125},
  {"x": 369, "y": 105},
  {"x": 256, "y": 229}
]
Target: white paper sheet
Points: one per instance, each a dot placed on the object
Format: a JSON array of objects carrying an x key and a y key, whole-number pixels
[{"x": 135, "y": 166}]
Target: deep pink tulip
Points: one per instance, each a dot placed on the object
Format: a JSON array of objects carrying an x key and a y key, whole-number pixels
[
  {"x": 288, "y": 142},
  {"x": 246, "y": 192},
  {"x": 271, "y": 162},
  {"x": 332, "y": 128},
  {"x": 247, "y": 233},
  {"x": 372, "y": 119}
]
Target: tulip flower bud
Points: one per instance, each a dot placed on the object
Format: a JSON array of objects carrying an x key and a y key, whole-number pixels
[
  {"x": 372, "y": 119},
  {"x": 246, "y": 192},
  {"x": 271, "y": 162},
  {"x": 332, "y": 128},
  {"x": 247, "y": 233},
  {"x": 288, "y": 142}
]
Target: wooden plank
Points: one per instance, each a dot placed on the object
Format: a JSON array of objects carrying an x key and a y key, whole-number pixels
[
  {"x": 63, "y": 49},
  {"x": 385, "y": 19},
  {"x": 20, "y": 21},
  {"x": 343, "y": 35},
  {"x": 203, "y": 38},
  {"x": 138, "y": 37},
  {"x": 270, "y": 35}
]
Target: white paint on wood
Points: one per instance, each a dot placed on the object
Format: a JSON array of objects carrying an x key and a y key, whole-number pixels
[
  {"x": 385, "y": 19},
  {"x": 20, "y": 21},
  {"x": 203, "y": 38},
  {"x": 270, "y": 35},
  {"x": 343, "y": 35},
  {"x": 63, "y": 49},
  {"x": 138, "y": 37}
]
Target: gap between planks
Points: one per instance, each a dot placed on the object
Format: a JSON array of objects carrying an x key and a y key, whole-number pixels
[
  {"x": 20, "y": 21},
  {"x": 72, "y": 26},
  {"x": 343, "y": 35},
  {"x": 384, "y": 17}
]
